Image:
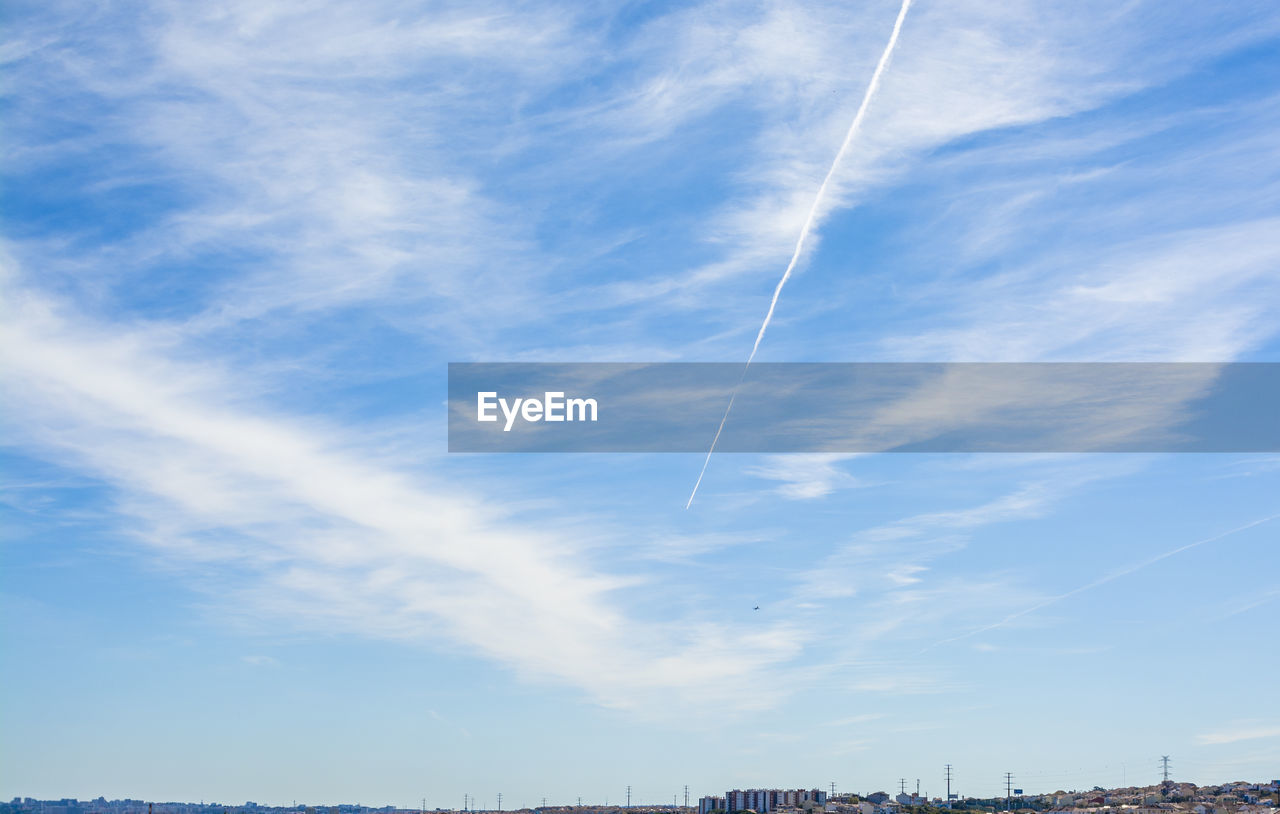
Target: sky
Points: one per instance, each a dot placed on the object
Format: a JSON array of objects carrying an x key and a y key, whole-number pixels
[{"x": 242, "y": 241}]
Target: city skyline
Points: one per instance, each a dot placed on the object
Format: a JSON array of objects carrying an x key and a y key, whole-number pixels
[{"x": 785, "y": 799}]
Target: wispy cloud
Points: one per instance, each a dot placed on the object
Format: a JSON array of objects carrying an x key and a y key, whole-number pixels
[
  {"x": 1248, "y": 733},
  {"x": 806, "y": 476},
  {"x": 897, "y": 553},
  {"x": 327, "y": 539},
  {"x": 1110, "y": 577}
]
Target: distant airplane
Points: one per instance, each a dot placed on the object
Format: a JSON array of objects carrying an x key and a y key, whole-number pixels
[{"x": 757, "y": 607}]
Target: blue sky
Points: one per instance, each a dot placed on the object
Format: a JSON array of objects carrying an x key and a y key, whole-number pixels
[{"x": 241, "y": 243}]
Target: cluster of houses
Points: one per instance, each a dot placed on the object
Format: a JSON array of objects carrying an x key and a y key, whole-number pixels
[
  {"x": 1172, "y": 798},
  {"x": 1167, "y": 798}
]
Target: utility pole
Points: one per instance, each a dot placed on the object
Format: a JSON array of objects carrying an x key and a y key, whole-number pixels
[
  {"x": 948, "y": 785},
  {"x": 1008, "y": 791},
  {"x": 902, "y": 785}
]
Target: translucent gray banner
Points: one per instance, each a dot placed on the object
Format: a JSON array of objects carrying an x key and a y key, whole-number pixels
[{"x": 865, "y": 407}]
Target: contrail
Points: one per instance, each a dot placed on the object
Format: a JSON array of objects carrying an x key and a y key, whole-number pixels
[
  {"x": 1124, "y": 572},
  {"x": 808, "y": 225}
]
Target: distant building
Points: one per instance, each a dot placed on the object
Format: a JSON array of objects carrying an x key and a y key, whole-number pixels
[{"x": 765, "y": 800}]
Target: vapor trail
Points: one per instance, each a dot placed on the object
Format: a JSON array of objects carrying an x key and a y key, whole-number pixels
[
  {"x": 1103, "y": 580},
  {"x": 808, "y": 225}
]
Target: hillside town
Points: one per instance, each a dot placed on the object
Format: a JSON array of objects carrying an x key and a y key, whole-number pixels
[{"x": 1240, "y": 797}]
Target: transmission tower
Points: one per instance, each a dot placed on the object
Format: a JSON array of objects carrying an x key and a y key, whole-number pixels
[
  {"x": 686, "y": 795},
  {"x": 1164, "y": 764},
  {"x": 499, "y": 801},
  {"x": 948, "y": 785},
  {"x": 1008, "y": 791},
  {"x": 628, "y": 797}
]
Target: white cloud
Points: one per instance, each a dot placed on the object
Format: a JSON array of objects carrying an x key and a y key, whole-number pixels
[
  {"x": 1196, "y": 295},
  {"x": 1247, "y": 733},
  {"x": 307, "y": 532},
  {"x": 961, "y": 69},
  {"x": 806, "y": 476}
]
